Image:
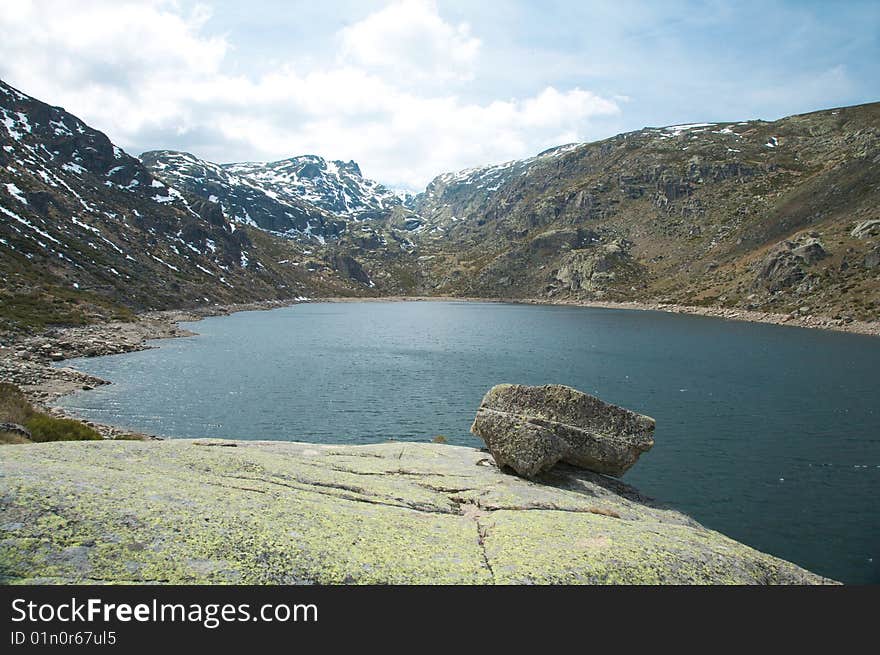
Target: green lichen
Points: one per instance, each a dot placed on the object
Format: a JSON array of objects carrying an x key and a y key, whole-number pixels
[{"x": 188, "y": 512}]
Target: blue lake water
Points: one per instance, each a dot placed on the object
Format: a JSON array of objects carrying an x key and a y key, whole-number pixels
[{"x": 766, "y": 433}]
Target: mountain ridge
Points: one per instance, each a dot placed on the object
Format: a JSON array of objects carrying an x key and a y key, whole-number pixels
[
  {"x": 87, "y": 233},
  {"x": 305, "y": 197},
  {"x": 645, "y": 215},
  {"x": 769, "y": 216}
]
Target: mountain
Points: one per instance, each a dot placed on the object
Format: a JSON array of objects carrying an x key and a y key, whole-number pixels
[
  {"x": 307, "y": 197},
  {"x": 86, "y": 231},
  {"x": 335, "y": 186},
  {"x": 781, "y": 216},
  {"x": 244, "y": 200},
  {"x": 355, "y": 226},
  {"x": 447, "y": 198}
]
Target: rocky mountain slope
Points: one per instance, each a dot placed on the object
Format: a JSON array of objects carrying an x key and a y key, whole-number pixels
[
  {"x": 445, "y": 201},
  {"x": 86, "y": 231},
  {"x": 243, "y": 200},
  {"x": 781, "y": 216},
  {"x": 357, "y": 227},
  {"x": 762, "y": 216},
  {"x": 335, "y": 186},
  {"x": 306, "y": 198}
]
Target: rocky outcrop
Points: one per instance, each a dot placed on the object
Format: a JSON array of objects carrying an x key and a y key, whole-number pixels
[
  {"x": 784, "y": 266},
  {"x": 809, "y": 251},
  {"x": 182, "y": 511},
  {"x": 866, "y": 229},
  {"x": 593, "y": 269},
  {"x": 15, "y": 428},
  {"x": 781, "y": 269},
  {"x": 554, "y": 241},
  {"x": 349, "y": 267},
  {"x": 531, "y": 429}
]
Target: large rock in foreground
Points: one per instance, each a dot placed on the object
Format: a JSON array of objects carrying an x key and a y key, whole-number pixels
[
  {"x": 530, "y": 429},
  {"x": 181, "y": 511}
]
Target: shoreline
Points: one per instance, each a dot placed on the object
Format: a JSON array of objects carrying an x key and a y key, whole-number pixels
[
  {"x": 809, "y": 321},
  {"x": 850, "y": 326},
  {"x": 124, "y": 469},
  {"x": 28, "y": 361}
]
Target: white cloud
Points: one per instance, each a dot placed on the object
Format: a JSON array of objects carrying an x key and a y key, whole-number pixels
[
  {"x": 411, "y": 40},
  {"x": 551, "y": 108},
  {"x": 150, "y": 76}
]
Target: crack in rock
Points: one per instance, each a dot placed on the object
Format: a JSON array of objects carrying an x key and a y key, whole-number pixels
[
  {"x": 307, "y": 486},
  {"x": 232, "y": 486},
  {"x": 474, "y": 512},
  {"x": 482, "y": 533}
]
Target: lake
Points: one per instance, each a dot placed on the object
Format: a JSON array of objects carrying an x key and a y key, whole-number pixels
[{"x": 766, "y": 433}]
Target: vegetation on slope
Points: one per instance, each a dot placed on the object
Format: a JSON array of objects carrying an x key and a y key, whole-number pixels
[
  {"x": 777, "y": 216},
  {"x": 15, "y": 409}
]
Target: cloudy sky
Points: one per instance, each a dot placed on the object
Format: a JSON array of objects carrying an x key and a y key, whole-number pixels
[{"x": 413, "y": 88}]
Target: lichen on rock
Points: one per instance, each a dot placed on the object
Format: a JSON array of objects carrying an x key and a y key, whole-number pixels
[
  {"x": 530, "y": 429},
  {"x": 182, "y": 511}
]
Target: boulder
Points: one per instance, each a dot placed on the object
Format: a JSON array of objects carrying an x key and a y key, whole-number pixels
[
  {"x": 591, "y": 269},
  {"x": 15, "y": 428},
  {"x": 530, "y": 429},
  {"x": 810, "y": 251},
  {"x": 866, "y": 229},
  {"x": 783, "y": 267}
]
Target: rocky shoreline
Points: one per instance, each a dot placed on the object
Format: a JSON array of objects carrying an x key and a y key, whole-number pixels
[
  {"x": 28, "y": 361},
  {"x": 403, "y": 493},
  {"x": 803, "y": 320}
]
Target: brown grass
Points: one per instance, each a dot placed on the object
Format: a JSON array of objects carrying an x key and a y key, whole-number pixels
[
  {"x": 7, "y": 438},
  {"x": 15, "y": 408}
]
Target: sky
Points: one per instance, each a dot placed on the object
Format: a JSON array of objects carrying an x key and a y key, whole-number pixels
[{"x": 413, "y": 88}]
